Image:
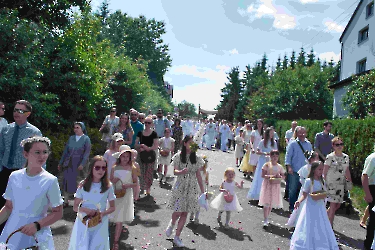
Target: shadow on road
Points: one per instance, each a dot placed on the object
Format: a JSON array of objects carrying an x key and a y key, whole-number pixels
[
  {"x": 61, "y": 230},
  {"x": 281, "y": 212},
  {"x": 69, "y": 214},
  {"x": 233, "y": 233},
  {"x": 165, "y": 185},
  {"x": 147, "y": 204},
  {"x": 174, "y": 247},
  {"x": 278, "y": 230},
  {"x": 345, "y": 240},
  {"x": 202, "y": 229}
]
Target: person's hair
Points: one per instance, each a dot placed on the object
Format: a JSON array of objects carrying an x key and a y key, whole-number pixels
[
  {"x": 326, "y": 123},
  {"x": 104, "y": 180},
  {"x": 256, "y": 126},
  {"x": 311, "y": 155},
  {"x": 1, "y": 103},
  {"x": 275, "y": 151},
  {"x": 28, "y": 143},
  {"x": 165, "y": 130},
  {"x": 142, "y": 114},
  {"x": 112, "y": 145},
  {"x": 227, "y": 170},
  {"x": 267, "y": 137},
  {"x": 118, "y": 161},
  {"x": 314, "y": 166},
  {"x": 337, "y": 138},
  {"x": 26, "y": 104},
  {"x": 177, "y": 120},
  {"x": 193, "y": 155}
]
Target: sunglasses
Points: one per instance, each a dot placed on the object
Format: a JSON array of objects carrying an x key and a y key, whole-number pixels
[
  {"x": 20, "y": 111},
  {"x": 113, "y": 111},
  {"x": 339, "y": 144},
  {"x": 97, "y": 168},
  {"x": 133, "y": 114},
  {"x": 148, "y": 122}
]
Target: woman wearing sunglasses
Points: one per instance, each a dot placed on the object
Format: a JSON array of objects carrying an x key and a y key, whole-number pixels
[
  {"x": 146, "y": 143},
  {"x": 93, "y": 194},
  {"x": 337, "y": 175}
]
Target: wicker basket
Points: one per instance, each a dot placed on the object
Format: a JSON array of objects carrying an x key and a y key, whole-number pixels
[
  {"x": 274, "y": 180},
  {"x": 120, "y": 192},
  {"x": 90, "y": 221},
  {"x": 19, "y": 230},
  {"x": 164, "y": 153}
]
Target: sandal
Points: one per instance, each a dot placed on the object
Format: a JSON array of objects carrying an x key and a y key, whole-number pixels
[
  {"x": 363, "y": 225},
  {"x": 115, "y": 245}
]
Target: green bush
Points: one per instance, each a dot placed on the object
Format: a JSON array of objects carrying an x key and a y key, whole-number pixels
[
  {"x": 58, "y": 141},
  {"x": 358, "y": 137}
]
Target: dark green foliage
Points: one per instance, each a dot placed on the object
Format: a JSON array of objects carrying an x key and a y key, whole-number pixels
[
  {"x": 186, "y": 109},
  {"x": 356, "y": 134}
]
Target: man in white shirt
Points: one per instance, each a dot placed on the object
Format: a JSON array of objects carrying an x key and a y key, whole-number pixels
[
  {"x": 289, "y": 133},
  {"x": 187, "y": 127},
  {"x": 224, "y": 131},
  {"x": 210, "y": 134}
]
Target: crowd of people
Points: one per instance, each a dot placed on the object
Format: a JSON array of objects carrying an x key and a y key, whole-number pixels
[{"x": 142, "y": 148}]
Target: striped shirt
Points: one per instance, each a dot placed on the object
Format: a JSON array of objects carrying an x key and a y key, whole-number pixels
[{"x": 26, "y": 130}]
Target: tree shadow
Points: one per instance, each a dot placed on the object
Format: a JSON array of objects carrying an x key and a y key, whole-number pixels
[
  {"x": 203, "y": 230},
  {"x": 233, "y": 233},
  {"x": 348, "y": 212},
  {"x": 347, "y": 241},
  {"x": 123, "y": 236},
  {"x": 277, "y": 230},
  {"x": 174, "y": 247},
  {"x": 69, "y": 214},
  {"x": 147, "y": 204},
  {"x": 145, "y": 223}
]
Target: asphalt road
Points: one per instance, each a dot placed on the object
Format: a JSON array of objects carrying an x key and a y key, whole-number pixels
[{"x": 246, "y": 232}]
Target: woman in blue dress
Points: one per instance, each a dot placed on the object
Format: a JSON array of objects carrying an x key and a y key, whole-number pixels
[
  {"x": 75, "y": 156},
  {"x": 93, "y": 193},
  {"x": 265, "y": 146}
]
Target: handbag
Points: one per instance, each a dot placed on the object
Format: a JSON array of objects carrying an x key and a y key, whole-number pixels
[
  {"x": 105, "y": 129},
  {"x": 90, "y": 221},
  {"x": 147, "y": 156},
  {"x": 228, "y": 197},
  {"x": 120, "y": 192},
  {"x": 30, "y": 247}
]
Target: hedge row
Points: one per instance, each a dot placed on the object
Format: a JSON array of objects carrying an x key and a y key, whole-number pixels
[{"x": 358, "y": 137}]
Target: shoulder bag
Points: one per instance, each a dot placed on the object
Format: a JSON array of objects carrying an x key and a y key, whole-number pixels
[{"x": 305, "y": 152}]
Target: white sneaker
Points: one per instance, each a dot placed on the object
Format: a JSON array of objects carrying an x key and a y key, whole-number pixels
[
  {"x": 177, "y": 241},
  {"x": 265, "y": 224},
  {"x": 169, "y": 229}
]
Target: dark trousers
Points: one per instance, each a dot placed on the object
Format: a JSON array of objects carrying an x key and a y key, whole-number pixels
[
  {"x": 371, "y": 222},
  {"x": 4, "y": 176},
  {"x": 286, "y": 194}
]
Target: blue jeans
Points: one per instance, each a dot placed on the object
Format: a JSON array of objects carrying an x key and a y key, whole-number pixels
[{"x": 294, "y": 187}]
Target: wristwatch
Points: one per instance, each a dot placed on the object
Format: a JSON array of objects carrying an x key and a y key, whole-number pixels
[{"x": 37, "y": 225}]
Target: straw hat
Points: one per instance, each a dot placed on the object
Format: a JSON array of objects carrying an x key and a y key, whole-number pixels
[
  {"x": 117, "y": 137},
  {"x": 123, "y": 149}
]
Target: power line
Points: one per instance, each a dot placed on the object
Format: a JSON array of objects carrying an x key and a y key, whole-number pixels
[{"x": 329, "y": 28}]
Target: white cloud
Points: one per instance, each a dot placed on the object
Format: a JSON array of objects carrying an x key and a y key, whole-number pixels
[
  {"x": 308, "y": 1},
  {"x": 233, "y": 51},
  {"x": 329, "y": 55},
  {"x": 218, "y": 75},
  {"x": 267, "y": 8},
  {"x": 332, "y": 26}
]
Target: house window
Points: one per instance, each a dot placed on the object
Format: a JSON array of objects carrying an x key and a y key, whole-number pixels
[
  {"x": 361, "y": 66},
  {"x": 370, "y": 9},
  {"x": 363, "y": 35}
]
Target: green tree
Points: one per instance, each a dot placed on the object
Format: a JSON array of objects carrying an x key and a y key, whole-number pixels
[
  {"x": 301, "y": 60},
  {"x": 293, "y": 60},
  {"x": 285, "y": 62},
  {"x": 360, "y": 98},
  {"x": 311, "y": 58},
  {"x": 186, "y": 109}
]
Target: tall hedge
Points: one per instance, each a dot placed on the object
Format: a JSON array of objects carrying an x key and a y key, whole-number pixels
[{"x": 358, "y": 137}]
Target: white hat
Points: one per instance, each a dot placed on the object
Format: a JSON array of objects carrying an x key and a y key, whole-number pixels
[
  {"x": 117, "y": 137},
  {"x": 122, "y": 149}
]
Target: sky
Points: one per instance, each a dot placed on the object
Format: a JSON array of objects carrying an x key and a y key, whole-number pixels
[{"x": 207, "y": 38}]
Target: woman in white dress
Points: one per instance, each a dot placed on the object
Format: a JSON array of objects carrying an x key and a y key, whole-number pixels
[
  {"x": 245, "y": 166},
  {"x": 255, "y": 137},
  {"x": 166, "y": 147},
  {"x": 114, "y": 147},
  {"x": 29, "y": 194},
  {"x": 265, "y": 146},
  {"x": 313, "y": 229},
  {"x": 238, "y": 151},
  {"x": 92, "y": 195},
  {"x": 124, "y": 177}
]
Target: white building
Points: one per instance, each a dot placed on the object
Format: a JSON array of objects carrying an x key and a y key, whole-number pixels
[{"x": 357, "y": 51}]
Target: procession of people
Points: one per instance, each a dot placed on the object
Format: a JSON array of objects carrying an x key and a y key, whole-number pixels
[{"x": 138, "y": 151}]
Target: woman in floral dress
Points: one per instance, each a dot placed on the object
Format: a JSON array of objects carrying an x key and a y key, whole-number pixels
[
  {"x": 185, "y": 191},
  {"x": 177, "y": 135},
  {"x": 337, "y": 174}
]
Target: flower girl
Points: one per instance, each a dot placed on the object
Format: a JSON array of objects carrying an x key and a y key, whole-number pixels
[
  {"x": 313, "y": 229},
  {"x": 91, "y": 201},
  {"x": 227, "y": 199}
]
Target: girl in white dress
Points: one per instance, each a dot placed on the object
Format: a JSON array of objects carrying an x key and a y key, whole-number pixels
[
  {"x": 29, "y": 194},
  {"x": 255, "y": 137},
  {"x": 92, "y": 195},
  {"x": 137, "y": 189},
  {"x": 124, "y": 177},
  {"x": 313, "y": 229},
  {"x": 265, "y": 146},
  {"x": 114, "y": 147},
  {"x": 227, "y": 187},
  {"x": 303, "y": 175},
  {"x": 166, "y": 146},
  {"x": 238, "y": 152}
]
